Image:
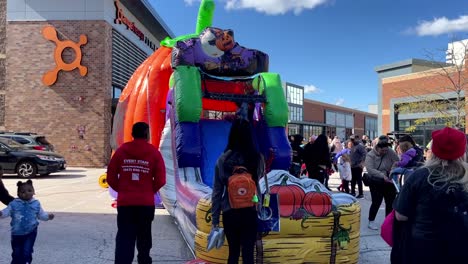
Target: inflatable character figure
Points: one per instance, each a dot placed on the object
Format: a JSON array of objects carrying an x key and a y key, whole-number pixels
[{"x": 187, "y": 91}]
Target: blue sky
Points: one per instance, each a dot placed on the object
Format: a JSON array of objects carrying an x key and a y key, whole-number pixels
[{"x": 331, "y": 46}]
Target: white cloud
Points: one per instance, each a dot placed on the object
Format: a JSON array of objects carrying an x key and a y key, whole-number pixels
[
  {"x": 340, "y": 101},
  {"x": 441, "y": 25},
  {"x": 311, "y": 89},
  {"x": 273, "y": 7},
  {"x": 190, "y": 2}
]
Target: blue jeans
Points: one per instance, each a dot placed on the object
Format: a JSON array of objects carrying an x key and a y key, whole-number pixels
[{"x": 23, "y": 247}]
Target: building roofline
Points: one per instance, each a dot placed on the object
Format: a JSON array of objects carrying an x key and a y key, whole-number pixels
[
  {"x": 345, "y": 109},
  {"x": 408, "y": 62},
  {"x": 146, "y": 14}
]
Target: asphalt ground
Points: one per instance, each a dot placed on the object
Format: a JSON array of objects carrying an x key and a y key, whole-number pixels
[{"x": 84, "y": 227}]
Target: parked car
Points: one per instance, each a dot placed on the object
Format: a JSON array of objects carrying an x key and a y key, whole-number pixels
[
  {"x": 30, "y": 140},
  {"x": 27, "y": 163}
]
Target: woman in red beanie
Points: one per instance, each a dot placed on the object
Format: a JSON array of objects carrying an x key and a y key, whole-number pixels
[{"x": 432, "y": 209}]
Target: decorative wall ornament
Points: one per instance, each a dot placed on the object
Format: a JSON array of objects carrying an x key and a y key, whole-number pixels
[
  {"x": 50, "y": 77},
  {"x": 81, "y": 129}
]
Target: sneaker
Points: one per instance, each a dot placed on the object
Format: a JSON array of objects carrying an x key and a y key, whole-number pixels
[
  {"x": 360, "y": 196},
  {"x": 372, "y": 225}
]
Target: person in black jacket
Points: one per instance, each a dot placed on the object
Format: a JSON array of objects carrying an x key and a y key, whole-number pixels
[
  {"x": 358, "y": 157},
  {"x": 240, "y": 224},
  {"x": 5, "y": 197},
  {"x": 431, "y": 210},
  {"x": 297, "y": 155},
  {"x": 317, "y": 159}
]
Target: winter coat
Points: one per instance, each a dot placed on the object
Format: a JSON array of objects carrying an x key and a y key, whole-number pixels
[
  {"x": 406, "y": 157},
  {"x": 379, "y": 167},
  {"x": 358, "y": 155},
  {"x": 344, "y": 168},
  {"x": 136, "y": 172},
  {"x": 24, "y": 215}
]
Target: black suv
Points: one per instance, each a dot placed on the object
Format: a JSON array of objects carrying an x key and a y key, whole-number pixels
[
  {"x": 15, "y": 158},
  {"x": 29, "y": 140}
]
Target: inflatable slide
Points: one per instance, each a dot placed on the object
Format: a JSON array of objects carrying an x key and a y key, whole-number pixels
[{"x": 188, "y": 91}]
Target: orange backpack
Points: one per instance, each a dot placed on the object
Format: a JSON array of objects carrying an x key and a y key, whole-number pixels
[{"x": 241, "y": 188}]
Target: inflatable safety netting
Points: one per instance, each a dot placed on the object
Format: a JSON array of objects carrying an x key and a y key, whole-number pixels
[{"x": 186, "y": 91}]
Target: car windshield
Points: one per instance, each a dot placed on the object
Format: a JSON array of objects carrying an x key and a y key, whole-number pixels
[
  {"x": 11, "y": 143},
  {"x": 42, "y": 140}
]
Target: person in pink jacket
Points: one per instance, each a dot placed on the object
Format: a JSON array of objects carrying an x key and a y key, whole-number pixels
[{"x": 136, "y": 171}]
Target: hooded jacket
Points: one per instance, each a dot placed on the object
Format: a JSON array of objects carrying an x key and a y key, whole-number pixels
[
  {"x": 24, "y": 215},
  {"x": 136, "y": 171}
]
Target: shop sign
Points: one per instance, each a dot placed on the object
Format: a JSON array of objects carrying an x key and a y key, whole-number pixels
[
  {"x": 50, "y": 33},
  {"x": 120, "y": 18}
]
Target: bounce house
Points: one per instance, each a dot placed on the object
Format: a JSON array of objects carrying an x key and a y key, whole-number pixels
[{"x": 186, "y": 91}]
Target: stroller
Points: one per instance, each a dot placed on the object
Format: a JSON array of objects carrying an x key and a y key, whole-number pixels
[{"x": 399, "y": 175}]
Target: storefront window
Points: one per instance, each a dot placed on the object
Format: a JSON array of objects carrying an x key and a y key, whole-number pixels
[
  {"x": 295, "y": 95},
  {"x": 309, "y": 130},
  {"x": 371, "y": 127},
  {"x": 293, "y": 129},
  {"x": 295, "y": 113},
  {"x": 349, "y": 121},
  {"x": 116, "y": 92}
]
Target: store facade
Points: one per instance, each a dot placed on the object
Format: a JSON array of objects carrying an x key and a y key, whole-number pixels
[
  {"x": 66, "y": 63},
  {"x": 308, "y": 117},
  {"x": 415, "y": 80}
]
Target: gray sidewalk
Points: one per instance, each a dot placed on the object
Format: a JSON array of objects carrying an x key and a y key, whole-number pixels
[{"x": 85, "y": 224}]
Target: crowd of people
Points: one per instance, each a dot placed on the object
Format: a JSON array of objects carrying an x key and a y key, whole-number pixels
[
  {"x": 321, "y": 156},
  {"x": 427, "y": 189},
  {"x": 430, "y": 208}
]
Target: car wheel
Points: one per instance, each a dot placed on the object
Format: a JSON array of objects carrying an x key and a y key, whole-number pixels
[{"x": 26, "y": 169}]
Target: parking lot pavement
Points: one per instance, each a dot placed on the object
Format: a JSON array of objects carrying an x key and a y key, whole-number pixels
[
  {"x": 84, "y": 227},
  {"x": 85, "y": 224}
]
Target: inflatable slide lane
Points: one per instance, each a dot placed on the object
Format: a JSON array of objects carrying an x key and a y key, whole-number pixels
[{"x": 188, "y": 91}]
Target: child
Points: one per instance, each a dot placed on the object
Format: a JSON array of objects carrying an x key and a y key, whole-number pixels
[
  {"x": 408, "y": 153},
  {"x": 24, "y": 212},
  {"x": 344, "y": 168}
]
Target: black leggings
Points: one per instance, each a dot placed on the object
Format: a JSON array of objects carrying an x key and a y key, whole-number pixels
[
  {"x": 356, "y": 178},
  {"x": 240, "y": 227},
  {"x": 378, "y": 193}
]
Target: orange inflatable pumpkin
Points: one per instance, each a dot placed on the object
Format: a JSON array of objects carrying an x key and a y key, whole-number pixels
[{"x": 144, "y": 98}]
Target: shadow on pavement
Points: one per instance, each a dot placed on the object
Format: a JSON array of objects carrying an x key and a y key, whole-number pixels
[
  {"x": 73, "y": 170},
  {"x": 50, "y": 176},
  {"x": 77, "y": 238}
]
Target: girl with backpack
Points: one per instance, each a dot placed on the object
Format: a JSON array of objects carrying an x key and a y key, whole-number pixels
[
  {"x": 240, "y": 166},
  {"x": 431, "y": 211}
]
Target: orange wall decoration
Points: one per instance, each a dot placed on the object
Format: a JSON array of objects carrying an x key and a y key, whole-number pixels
[{"x": 50, "y": 77}]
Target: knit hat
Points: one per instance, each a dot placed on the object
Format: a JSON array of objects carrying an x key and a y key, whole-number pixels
[{"x": 448, "y": 143}]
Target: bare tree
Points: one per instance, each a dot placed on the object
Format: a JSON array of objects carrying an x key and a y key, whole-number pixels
[{"x": 452, "y": 78}]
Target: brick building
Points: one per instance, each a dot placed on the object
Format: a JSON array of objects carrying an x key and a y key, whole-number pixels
[
  {"x": 72, "y": 108},
  {"x": 308, "y": 117},
  {"x": 411, "y": 81}
]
